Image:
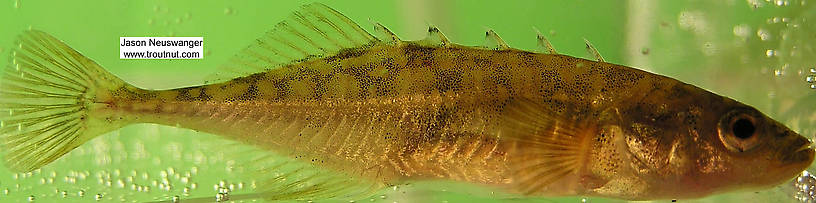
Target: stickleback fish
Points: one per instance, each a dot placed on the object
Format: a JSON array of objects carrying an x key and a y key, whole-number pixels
[{"x": 352, "y": 109}]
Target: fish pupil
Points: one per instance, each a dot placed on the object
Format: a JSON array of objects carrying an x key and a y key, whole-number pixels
[{"x": 743, "y": 128}]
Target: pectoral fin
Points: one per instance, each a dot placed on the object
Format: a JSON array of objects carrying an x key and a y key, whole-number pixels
[{"x": 549, "y": 146}]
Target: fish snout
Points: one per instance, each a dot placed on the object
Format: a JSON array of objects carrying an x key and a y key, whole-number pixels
[{"x": 800, "y": 151}]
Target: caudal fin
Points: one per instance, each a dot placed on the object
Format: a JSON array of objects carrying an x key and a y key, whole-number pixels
[{"x": 49, "y": 95}]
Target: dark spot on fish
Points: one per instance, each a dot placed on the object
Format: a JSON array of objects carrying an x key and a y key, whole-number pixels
[
  {"x": 348, "y": 53},
  {"x": 282, "y": 88},
  {"x": 413, "y": 51},
  {"x": 184, "y": 94},
  {"x": 202, "y": 94},
  {"x": 320, "y": 82},
  {"x": 448, "y": 80},
  {"x": 131, "y": 94}
]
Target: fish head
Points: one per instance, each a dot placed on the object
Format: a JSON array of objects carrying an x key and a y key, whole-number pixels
[
  {"x": 690, "y": 143},
  {"x": 757, "y": 151}
]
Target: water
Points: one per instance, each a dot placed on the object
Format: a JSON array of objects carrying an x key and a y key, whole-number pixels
[{"x": 758, "y": 52}]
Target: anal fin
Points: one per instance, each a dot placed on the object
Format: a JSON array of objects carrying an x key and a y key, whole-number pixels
[{"x": 280, "y": 177}]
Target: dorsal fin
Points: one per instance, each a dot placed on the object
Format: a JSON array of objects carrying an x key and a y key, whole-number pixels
[
  {"x": 493, "y": 41},
  {"x": 434, "y": 38},
  {"x": 386, "y": 35},
  {"x": 543, "y": 43},
  {"x": 314, "y": 30},
  {"x": 592, "y": 51}
]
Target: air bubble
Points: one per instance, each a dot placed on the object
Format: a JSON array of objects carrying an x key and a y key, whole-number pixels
[
  {"x": 31, "y": 198},
  {"x": 742, "y": 31},
  {"x": 763, "y": 34},
  {"x": 224, "y": 190},
  {"x": 222, "y": 195},
  {"x": 176, "y": 199},
  {"x": 98, "y": 197},
  {"x": 770, "y": 53},
  {"x": 805, "y": 184},
  {"x": 81, "y": 193}
]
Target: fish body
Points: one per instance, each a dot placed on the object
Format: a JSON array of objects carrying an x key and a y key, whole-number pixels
[{"x": 390, "y": 111}]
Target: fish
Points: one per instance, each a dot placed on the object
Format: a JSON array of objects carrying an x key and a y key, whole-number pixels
[{"x": 354, "y": 113}]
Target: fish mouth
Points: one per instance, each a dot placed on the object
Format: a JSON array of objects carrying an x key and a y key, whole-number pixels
[
  {"x": 807, "y": 146},
  {"x": 804, "y": 153},
  {"x": 801, "y": 156}
]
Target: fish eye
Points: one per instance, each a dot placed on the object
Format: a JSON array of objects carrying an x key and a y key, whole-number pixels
[
  {"x": 738, "y": 130},
  {"x": 743, "y": 128}
]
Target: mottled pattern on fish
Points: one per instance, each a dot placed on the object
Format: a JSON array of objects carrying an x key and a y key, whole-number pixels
[{"x": 391, "y": 111}]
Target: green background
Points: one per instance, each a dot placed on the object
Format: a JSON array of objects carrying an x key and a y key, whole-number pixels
[{"x": 722, "y": 46}]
